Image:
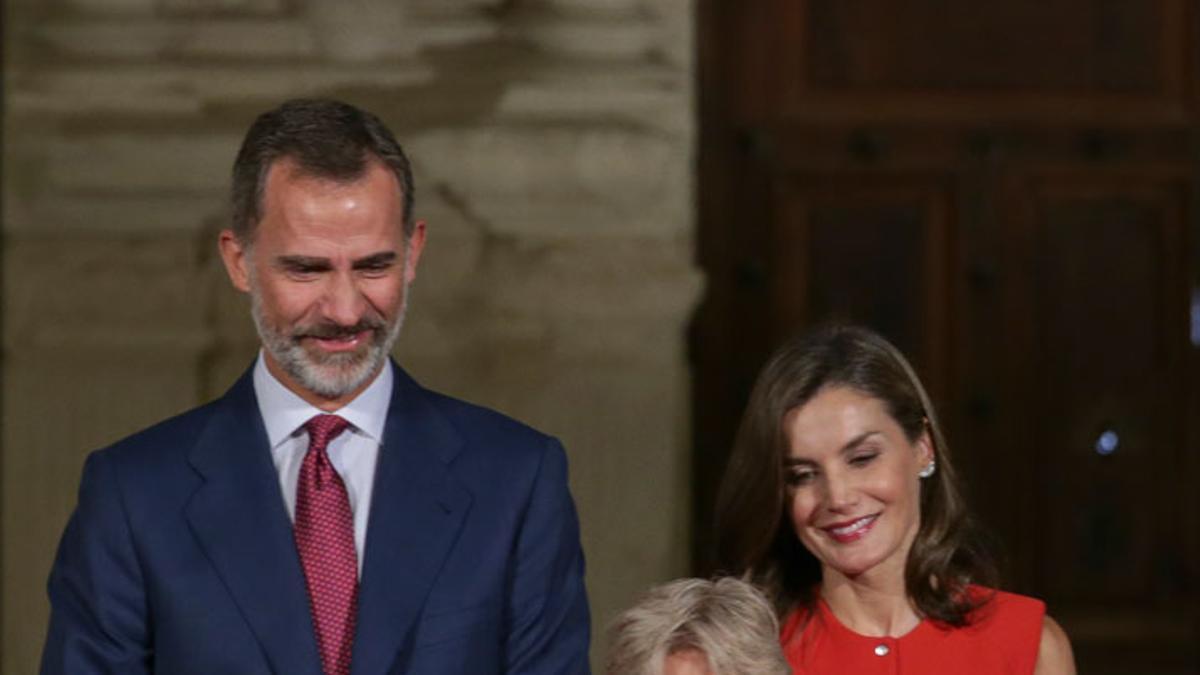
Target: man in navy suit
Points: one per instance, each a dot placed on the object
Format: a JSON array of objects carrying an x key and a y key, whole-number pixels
[{"x": 327, "y": 514}]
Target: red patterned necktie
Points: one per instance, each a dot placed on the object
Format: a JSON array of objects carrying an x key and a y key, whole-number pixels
[{"x": 324, "y": 531}]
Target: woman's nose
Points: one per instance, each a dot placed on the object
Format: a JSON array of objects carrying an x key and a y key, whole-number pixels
[{"x": 840, "y": 493}]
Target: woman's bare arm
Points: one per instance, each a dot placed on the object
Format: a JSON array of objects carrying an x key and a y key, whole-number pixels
[{"x": 1054, "y": 652}]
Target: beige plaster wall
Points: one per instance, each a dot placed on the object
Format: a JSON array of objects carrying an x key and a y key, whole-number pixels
[{"x": 552, "y": 141}]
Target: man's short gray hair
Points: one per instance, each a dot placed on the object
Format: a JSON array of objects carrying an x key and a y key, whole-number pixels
[{"x": 727, "y": 620}]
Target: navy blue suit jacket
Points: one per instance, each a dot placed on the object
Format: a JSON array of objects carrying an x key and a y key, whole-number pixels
[{"x": 180, "y": 559}]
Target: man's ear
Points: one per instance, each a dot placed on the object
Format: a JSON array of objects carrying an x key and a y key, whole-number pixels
[
  {"x": 412, "y": 251},
  {"x": 236, "y": 259}
]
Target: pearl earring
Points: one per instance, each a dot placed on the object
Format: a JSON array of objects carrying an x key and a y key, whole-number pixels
[{"x": 928, "y": 470}]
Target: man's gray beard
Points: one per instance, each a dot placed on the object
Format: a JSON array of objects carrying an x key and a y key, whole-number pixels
[{"x": 350, "y": 370}]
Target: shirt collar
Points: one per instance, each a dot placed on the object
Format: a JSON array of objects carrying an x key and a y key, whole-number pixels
[{"x": 283, "y": 412}]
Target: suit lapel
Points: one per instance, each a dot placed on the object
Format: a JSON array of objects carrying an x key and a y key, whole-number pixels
[
  {"x": 238, "y": 515},
  {"x": 417, "y": 511}
]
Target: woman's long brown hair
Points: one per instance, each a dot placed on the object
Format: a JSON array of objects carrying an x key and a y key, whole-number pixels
[{"x": 755, "y": 537}]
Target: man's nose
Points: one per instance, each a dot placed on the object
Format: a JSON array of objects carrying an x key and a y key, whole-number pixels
[{"x": 344, "y": 302}]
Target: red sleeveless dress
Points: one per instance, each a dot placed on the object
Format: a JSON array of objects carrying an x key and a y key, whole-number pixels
[{"x": 1002, "y": 639}]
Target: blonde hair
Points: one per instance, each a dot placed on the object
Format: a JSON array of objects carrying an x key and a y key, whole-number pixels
[{"x": 727, "y": 620}]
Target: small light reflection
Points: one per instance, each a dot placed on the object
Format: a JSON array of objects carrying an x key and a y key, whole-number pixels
[
  {"x": 1196, "y": 316},
  {"x": 1107, "y": 443}
]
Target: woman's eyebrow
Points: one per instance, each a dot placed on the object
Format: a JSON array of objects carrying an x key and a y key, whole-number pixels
[
  {"x": 858, "y": 440},
  {"x": 848, "y": 447}
]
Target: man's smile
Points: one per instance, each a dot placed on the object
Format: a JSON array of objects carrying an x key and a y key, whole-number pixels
[{"x": 345, "y": 342}]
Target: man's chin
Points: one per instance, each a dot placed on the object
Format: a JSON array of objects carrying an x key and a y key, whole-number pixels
[
  {"x": 348, "y": 372},
  {"x": 333, "y": 375},
  {"x": 335, "y": 384},
  {"x": 336, "y": 363}
]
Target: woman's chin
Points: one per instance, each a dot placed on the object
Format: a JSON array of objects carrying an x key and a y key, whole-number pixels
[{"x": 851, "y": 568}]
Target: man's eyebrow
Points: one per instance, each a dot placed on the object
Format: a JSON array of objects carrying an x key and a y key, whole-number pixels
[
  {"x": 302, "y": 262},
  {"x": 376, "y": 259}
]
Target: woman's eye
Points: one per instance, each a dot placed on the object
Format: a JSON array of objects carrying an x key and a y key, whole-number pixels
[
  {"x": 863, "y": 459},
  {"x": 797, "y": 478}
]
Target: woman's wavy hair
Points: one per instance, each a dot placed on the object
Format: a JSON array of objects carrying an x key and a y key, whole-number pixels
[{"x": 756, "y": 538}]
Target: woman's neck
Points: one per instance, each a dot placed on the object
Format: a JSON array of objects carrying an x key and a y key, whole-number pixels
[{"x": 870, "y": 604}]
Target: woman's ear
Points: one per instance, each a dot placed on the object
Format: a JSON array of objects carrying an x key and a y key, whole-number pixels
[{"x": 924, "y": 446}]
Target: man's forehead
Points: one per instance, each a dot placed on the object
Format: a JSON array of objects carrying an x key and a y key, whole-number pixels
[
  {"x": 291, "y": 187},
  {"x": 290, "y": 168}
]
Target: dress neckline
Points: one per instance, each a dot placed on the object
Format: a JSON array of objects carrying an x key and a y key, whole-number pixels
[{"x": 833, "y": 624}]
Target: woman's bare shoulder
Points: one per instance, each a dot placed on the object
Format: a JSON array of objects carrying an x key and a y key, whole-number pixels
[{"x": 1054, "y": 651}]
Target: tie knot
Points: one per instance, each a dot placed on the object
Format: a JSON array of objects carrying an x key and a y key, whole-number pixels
[{"x": 324, "y": 428}]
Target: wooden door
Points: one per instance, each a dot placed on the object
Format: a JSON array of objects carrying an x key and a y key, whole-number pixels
[{"x": 1008, "y": 191}]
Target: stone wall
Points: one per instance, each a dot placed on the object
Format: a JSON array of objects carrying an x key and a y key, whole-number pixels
[{"x": 552, "y": 142}]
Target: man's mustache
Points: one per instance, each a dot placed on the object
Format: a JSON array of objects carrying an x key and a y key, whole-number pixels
[{"x": 333, "y": 331}]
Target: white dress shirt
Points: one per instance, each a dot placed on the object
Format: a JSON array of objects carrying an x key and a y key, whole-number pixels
[{"x": 353, "y": 453}]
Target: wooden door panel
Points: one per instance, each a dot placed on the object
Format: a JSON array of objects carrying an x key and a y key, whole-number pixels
[
  {"x": 1110, "y": 287},
  {"x": 941, "y": 59},
  {"x": 1018, "y": 46},
  {"x": 868, "y": 249},
  {"x": 1009, "y": 191}
]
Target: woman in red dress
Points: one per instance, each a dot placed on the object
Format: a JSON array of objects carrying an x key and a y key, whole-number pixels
[{"x": 841, "y": 503}]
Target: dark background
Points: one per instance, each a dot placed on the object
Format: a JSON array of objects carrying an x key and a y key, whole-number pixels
[{"x": 1008, "y": 190}]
